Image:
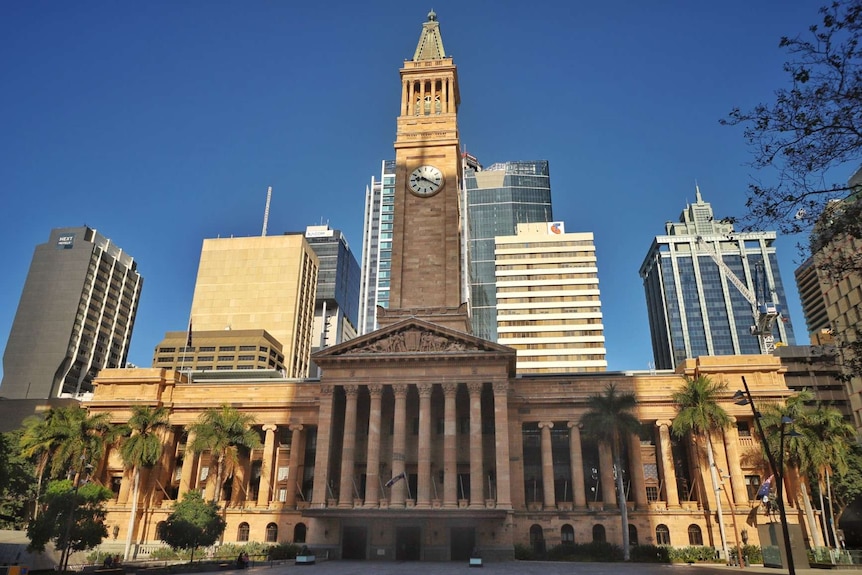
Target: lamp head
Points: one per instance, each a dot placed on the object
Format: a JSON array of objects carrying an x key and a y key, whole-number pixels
[
  {"x": 785, "y": 419},
  {"x": 739, "y": 394}
]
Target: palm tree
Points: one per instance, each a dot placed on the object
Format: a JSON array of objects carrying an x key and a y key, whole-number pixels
[
  {"x": 610, "y": 420},
  {"x": 699, "y": 414},
  {"x": 835, "y": 436},
  {"x": 39, "y": 441},
  {"x": 223, "y": 431},
  {"x": 142, "y": 448}
]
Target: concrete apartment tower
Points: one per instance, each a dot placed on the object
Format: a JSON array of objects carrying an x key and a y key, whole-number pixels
[
  {"x": 75, "y": 316},
  {"x": 548, "y": 304},
  {"x": 260, "y": 282},
  {"x": 499, "y": 198},
  {"x": 694, "y": 307}
]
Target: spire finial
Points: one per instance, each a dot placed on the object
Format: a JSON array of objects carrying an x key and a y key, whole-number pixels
[
  {"x": 432, "y": 16},
  {"x": 698, "y": 199}
]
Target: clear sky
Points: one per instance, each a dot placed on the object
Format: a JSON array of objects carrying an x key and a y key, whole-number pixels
[{"x": 162, "y": 123}]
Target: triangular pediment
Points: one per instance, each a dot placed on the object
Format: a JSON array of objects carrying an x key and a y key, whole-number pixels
[{"x": 412, "y": 337}]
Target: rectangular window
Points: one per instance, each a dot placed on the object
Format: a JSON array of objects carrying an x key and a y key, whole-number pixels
[
  {"x": 283, "y": 473},
  {"x": 205, "y": 472},
  {"x": 246, "y": 348},
  {"x": 752, "y": 485},
  {"x": 652, "y": 493},
  {"x": 207, "y": 348},
  {"x": 227, "y": 348},
  {"x": 282, "y": 494}
]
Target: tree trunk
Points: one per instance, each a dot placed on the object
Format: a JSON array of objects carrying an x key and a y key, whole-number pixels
[
  {"x": 621, "y": 499},
  {"x": 809, "y": 515},
  {"x": 713, "y": 475},
  {"x": 823, "y": 517},
  {"x": 217, "y": 488},
  {"x": 831, "y": 511},
  {"x": 134, "y": 512}
]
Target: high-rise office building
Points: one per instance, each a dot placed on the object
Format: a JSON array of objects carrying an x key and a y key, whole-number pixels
[
  {"x": 812, "y": 299},
  {"x": 75, "y": 316},
  {"x": 377, "y": 246},
  {"x": 694, "y": 306},
  {"x": 260, "y": 282},
  {"x": 336, "y": 307},
  {"x": 219, "y": 350},
  {"x": 498, "y": 199},
  {"x": 548, "y": 304}
]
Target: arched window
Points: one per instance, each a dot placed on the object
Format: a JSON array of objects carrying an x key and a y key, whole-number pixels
[
  {"x": 633, "y": 535},
  {"x": 537, "y": 538},
  {"x": 695, "y": 535},
  {"x": 242, "y": 532},
  {"x": 299, "y": 533},
  {"x": 662, "y": 535},
  {"x": 567, "y": 534},
  {"x": 271, "y": 533},
  {"x": 599, "y": 533}
]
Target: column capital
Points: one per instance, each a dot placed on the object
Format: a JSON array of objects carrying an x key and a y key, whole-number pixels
[
  {"x": 400, "y": 389},
  {"x": 501, "y": 387},
  {"x": 375, "y": 389},
  {"x": 474, "y": 388},
  {"x": 450, "y": 388},
  {"x": 425, "y": 389},
  {"x": 326, "y": 389},
  {"x": 269, "y": 427},
  {"x": 295, "y": 427},
  {"x": 732, "y": 420},
  {"x": 663, "y": 423},
  {"x": 548, "y": 424},
  {"x": 351, "y": 389},
  {"x": 575, "y": 425}
]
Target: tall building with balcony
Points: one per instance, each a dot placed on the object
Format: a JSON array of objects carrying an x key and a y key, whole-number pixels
[
  {"x": 548, "y": 304},
  {"x": 499, "y": 198},
  {"x": 261, "y": 282},
  {"x": 377, "y": 246},
  {"x": 694, "y": 306},
  {"x": 75, "y": 316}
]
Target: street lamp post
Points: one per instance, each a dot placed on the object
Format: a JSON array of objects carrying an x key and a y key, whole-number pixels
[
  {"x": 739, "y": 556},
  {"x": 777, "y": 470}
]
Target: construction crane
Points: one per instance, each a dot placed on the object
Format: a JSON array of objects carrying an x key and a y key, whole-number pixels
[{"x": 765, "y": 312}]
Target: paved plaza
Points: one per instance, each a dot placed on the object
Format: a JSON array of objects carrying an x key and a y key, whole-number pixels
[{"x": 509, "y": 568}]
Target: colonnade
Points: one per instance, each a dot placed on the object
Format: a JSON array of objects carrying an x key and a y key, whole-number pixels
[
  {"x": 726, "y": 449},
  {"x": 422, "y": 457},
  {"x": 416, "y": 91}
]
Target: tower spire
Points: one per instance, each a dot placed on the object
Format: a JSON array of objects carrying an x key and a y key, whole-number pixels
[
  {"x": 430, "y": 45},
  {"x": 697, "y": 197}
]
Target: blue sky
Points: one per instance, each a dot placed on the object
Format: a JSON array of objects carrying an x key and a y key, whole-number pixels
[{"x": 162, "y": 123}]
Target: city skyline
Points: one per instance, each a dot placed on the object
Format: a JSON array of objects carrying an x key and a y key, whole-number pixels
[{"x": 159, "y": 132}]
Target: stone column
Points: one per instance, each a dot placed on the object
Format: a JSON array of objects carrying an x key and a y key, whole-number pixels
[
  {"x": 187, "y": 474},
  {"x": 433, "y": 97},
  {"x": 446, "y": 108},
  {"x": 450, "y": 446},
  {"x": 125, "y": 487},
  {"x": 264, "y": 491},
  {"x": 348, "y": 450},
  {"x": 667, "y": 468},
  {"x": 405, "y": 102},
  {"x": 637, "y": 472},
  {"x": 501, "y": 437},
  {"x": 372, "y": 466},
  {"x": 606, "y": 469},
  {"x": 324, "y": 438},
  {"x": 737, "y": 482},
  {"x": 576, "y": 460},
  {"x": 399, "y": 445},
  {"x": 293, "y": 477},
  {"x": 547, "y": 465},
  {"x": 422, "y": 98},
  {"x": 423, "y": 488},
  {"x": 476, "y": 487},
  {"x": 411, "y": 98}
]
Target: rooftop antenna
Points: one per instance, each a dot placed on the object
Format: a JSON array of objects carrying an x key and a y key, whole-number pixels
[{"x": 266, "y": 210}]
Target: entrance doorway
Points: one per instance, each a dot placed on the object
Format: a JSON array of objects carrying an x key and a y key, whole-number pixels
[
  {"x": 408, "y": 544},
  {"x": 462, "y": 540},
  {"x": 354, "y": 542}
]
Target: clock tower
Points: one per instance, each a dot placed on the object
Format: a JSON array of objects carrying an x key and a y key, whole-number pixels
[{"x": 426, "y": 274}]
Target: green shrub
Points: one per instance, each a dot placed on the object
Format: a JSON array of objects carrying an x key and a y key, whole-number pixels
[
  {"x": 693, "y": 554},
  {"x": 752, "y": 553},
  {"x": 98, "y": 557},
  {"x": 594, "y": 551},
  {"x": 523, "y": 552},
  {"x": 650, "y": 554},
  {"x": 167, "y": 554},
  {"x": 283, "y": 551}
]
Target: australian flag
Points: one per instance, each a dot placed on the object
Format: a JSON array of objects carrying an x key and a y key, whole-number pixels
[
  {"x": 763, "y": 492},
  {"x": 396, "y": 479}
]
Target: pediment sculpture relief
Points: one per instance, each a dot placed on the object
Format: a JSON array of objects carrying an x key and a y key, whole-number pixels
[{"x": 413, "y": 340}]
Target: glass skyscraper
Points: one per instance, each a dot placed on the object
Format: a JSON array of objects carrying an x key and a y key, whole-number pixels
[
  {"x": 377, "y": 246},
  {"x": 498, "y": 199},
  {"x": 694, "y": 308}
]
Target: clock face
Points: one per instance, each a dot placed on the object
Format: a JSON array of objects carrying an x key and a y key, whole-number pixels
[{"x": 426, "y": 181}]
